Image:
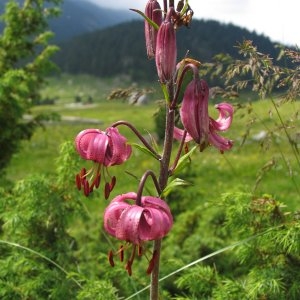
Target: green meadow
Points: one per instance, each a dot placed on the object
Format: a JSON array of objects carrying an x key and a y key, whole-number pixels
[{"x": 264, "y": 159}]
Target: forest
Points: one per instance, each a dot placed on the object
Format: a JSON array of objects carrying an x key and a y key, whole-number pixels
[
  {"x": 193, "y": 195},
  {"x": 96, "y": 53}
]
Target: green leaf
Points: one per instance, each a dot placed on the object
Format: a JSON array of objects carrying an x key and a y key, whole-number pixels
[
  {"x": 153, "y": 24},
  {"x": 173, "y": 185},
  {"x": 184, "y": 161},
  {"x": 143, "y": 149}
]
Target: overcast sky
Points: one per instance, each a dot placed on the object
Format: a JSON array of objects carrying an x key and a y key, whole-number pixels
[{"x": 277, "y": 19}]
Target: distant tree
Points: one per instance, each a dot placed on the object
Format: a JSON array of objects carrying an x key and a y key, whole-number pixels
[{"x": 24, "y": 61}]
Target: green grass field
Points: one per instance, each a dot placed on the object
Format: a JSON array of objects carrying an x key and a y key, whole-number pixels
[{"x": 263, "y": 166}]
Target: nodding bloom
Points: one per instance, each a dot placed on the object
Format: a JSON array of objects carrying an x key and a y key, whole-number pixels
[
  {"x": 135, "y": 222},
  {"x": 104, "y": 149},
  {"x": 199, "y": 125},
  {"x": 154, "y": 13},
  {"x": 166, "y": 49}
]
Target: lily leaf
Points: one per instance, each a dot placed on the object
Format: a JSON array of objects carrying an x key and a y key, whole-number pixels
[
  {"x": 153, "y": 24},
  {"x": 143, "y": 149},
  {"x": 173, "y": 185},
  {"x": 184, "y": 161}
]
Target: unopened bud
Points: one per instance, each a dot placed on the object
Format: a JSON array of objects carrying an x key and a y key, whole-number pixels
[
  {"x": 154, "y": 13},
  {"x": 166, "y": 49}
]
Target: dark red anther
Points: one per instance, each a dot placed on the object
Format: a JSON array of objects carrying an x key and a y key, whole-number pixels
[
  {"x": 97, "y": 181},
  {"x": 78, "y": 182},
  {"x": 106, "y": 190},
  {"x": 152, "y": 263},
  {"x": 112, "y": 183},
  {"x": 121, "y": 253},
  {"x": 111, "y": 258},
  {"x": 86, "y": 188},
  {"x": 140, "y": 250},
  {"x": 128, "y": 267},
  {"x": 83, "y": 173}
]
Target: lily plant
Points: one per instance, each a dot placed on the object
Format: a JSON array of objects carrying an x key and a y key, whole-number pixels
[{"x": 133, "y": 217}]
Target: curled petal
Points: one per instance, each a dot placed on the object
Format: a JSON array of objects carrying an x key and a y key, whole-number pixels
[
  {"x": 97, "y": 147},
  {"x": 133, "y": 223},
  {"x": 83, "y": 140},
  {"x": 128, "y": 225},
  {"x": 225, "y": 117},
  {"x": 114, "y": 210},
  {"x": 118, "y": 150}
]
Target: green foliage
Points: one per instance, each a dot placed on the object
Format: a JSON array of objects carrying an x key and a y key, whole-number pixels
[
  {"x": 263, "y": 268},
  {"x": 24, "y": 61},
  {"x": 97, "y": 290}
]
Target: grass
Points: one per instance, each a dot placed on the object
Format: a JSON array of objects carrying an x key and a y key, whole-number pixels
[{"x": 247, "y": 166}]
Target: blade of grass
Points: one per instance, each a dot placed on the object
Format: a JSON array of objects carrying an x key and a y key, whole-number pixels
[{"x": 41, "y": 256}]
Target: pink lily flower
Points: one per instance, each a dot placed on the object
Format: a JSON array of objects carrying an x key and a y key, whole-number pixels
[
  {"x": 199, "y": 125},
  {"x": 137, "y": 223},
  {"x": 105, "y": 149}
]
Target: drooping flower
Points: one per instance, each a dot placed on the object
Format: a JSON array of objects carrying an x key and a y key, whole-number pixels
[
  {"x": 104, "y": 149},
  {"x": 154, "y": 13},
  {"x": 137, "y": 223},
  {"x": 199, "y": 125},
  {"x": 166, "y": 49}
]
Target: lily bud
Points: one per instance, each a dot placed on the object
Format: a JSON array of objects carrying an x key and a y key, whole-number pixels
[
  {"x": 154, "y": 13},
  {"x": 166, "y": 49}
]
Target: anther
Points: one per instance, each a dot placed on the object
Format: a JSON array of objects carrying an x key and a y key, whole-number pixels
[{"x": 111, "y": 258}]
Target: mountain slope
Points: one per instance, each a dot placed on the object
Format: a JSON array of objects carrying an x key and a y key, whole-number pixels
[
  {"x": 121, "y": 49},
  {"x": 81, "y": 16}
]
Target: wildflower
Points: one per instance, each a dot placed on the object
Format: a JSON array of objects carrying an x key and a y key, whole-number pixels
[
  {"x": 137, "y": 223},
  {"x": 105, "y": 149},
  {"x": 154, "y": 13},
  {"x": 199, "y": 125},
  {"x": 166, "y": 49}
]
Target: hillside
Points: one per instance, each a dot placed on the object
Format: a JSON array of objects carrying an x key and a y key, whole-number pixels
[
  {"x": 81, "y": 16},
  {"x": 121, "y": 49}
]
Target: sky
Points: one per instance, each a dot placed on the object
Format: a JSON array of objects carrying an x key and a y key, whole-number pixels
[{"x": 277, "y": 19}]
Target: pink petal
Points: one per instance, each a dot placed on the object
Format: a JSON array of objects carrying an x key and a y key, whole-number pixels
[
  {"x": 127, "y": 228},
  {"x": 98, "y": 147},
  {"x": 220, "y": 142},
  {"x": 113, "y": 212},
  {"x": 152, "y": 220},
  {"x": 194, "y": 110},
  {"x": 118, "y": 151},
  {"x": 83, "y": 140},
  {"x": 178, "y": 135},
  {"x": 225, "y": 117}
]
